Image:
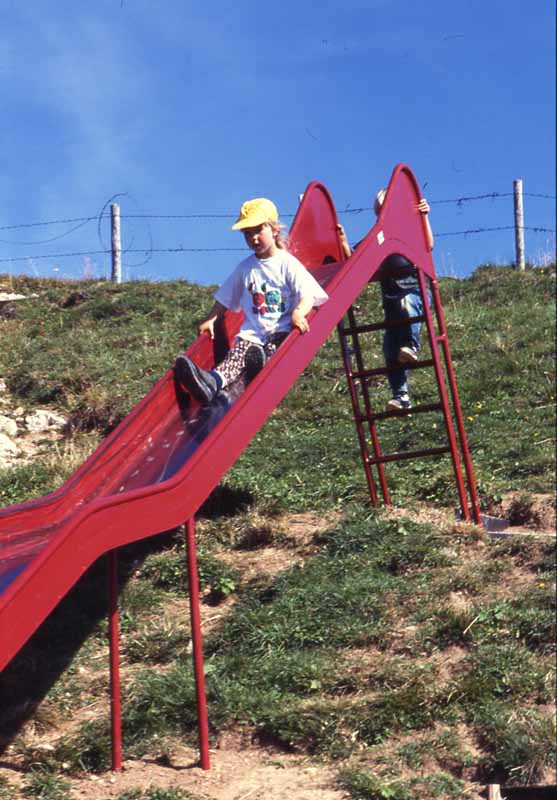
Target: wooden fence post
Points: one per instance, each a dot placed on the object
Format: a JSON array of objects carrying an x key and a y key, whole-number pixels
[
  {"x": 519, "y": 225},
  {"x": 116, "y": 276}
]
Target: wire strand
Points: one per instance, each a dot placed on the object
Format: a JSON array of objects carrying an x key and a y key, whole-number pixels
[
  {"x": 346, "y": 210},
  {"x": 181, "y": 249},
  {"x": 137, "y": 250},
  {"x": 53, "y": 238},
  {"x": 500, "y": 228},
  {"x": 51, "y": 222}
]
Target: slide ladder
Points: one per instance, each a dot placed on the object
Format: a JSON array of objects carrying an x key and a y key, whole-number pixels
[{"x": 358, "y": 377}]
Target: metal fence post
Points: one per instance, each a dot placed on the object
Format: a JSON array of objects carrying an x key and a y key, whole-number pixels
[
  {"x": 116, "y": 276},
  {"x": 519, "y": 225}
]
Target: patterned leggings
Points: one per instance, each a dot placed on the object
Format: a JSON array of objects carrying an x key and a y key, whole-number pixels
[{"x": 234, "y": 363}]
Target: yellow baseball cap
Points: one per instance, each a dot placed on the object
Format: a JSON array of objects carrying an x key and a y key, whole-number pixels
[{"x": 255, "y": 212}]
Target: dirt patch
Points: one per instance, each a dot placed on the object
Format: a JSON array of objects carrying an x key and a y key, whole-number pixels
[
  {"x": 422, "y": 514},
  {"x": 286, "y": 542},
  {"x": 239, "y": 771},
  {"x": 527, "y": 511}
]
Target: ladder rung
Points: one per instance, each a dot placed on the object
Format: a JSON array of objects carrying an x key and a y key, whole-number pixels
[
  {"x": 378, "y": 326},
  {"x": 368, "y": 373},
  {"x": 434, "y": 451},
  {"x": 402, "y": 413}
]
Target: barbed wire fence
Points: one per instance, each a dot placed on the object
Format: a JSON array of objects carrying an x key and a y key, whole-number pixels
[{"x": 115, "y": 251}]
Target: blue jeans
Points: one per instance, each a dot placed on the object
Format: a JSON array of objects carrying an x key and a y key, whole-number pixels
[{"x": 409, "y": 305}]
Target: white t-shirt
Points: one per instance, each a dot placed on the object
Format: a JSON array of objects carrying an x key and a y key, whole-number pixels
[{"x": 268, "y": 290}]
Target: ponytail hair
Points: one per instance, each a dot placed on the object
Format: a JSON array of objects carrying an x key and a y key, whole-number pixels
[{"x": 281, "y": 240}]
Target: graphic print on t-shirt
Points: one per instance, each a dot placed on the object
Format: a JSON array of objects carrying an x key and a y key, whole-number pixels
[{"x": 268, "y": 301}]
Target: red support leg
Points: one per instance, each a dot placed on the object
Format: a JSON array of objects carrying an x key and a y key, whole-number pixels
[
  {"x": 433, "y": 341},
  {"x": 114, "y": 633},
  {"x": 201, "y": 698},
  {"x": 456, "y": 404}
]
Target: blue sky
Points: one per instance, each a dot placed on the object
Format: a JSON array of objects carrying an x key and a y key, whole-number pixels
[{"x": 183, "y": 109}]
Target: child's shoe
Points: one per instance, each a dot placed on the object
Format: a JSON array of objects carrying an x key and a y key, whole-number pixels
[
  {"x": 200, "y": 383},
  {"x": 407, "y": 355},
  {"x": 401, "y": 403},
  {"x": 254, "y": 360}
]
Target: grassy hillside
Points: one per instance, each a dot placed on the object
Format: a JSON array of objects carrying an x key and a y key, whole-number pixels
[{"x": 413, "y": 654}]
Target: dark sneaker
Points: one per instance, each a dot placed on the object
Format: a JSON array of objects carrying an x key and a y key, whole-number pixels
[
  {"x": 407, "y": 355},
  {"x": 401, "y": 403},
  {"x": 199, "y": 383},
  {"x": 254, "y": 360}
]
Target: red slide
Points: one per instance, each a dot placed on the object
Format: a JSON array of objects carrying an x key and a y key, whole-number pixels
[{"x": 158, "y": 466}]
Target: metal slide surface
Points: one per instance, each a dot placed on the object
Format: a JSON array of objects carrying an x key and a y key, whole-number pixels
[{"x": 158, "y": 466}]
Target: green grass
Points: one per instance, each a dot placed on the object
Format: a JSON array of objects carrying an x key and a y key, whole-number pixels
[
  {"x": 43, "y": 782},
  {"x": 281, "y": 662},
  {"x": 503, "y": 354},
  {"x": 392, "y": 643},
  {"x": 7, "y": 789},
  {"x": 504, "y": 360},
  {"x": 366, "y": 786},
  {"x": 97, "y": 357},
  {"x": 158, "y": 794}
]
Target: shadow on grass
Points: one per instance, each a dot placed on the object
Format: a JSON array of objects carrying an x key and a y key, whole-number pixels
[{"x": 34, "y": 671}]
